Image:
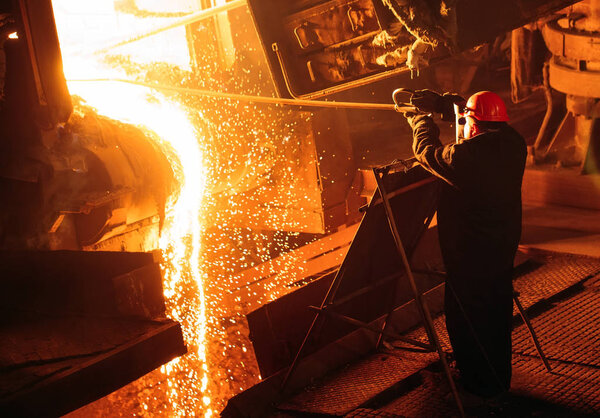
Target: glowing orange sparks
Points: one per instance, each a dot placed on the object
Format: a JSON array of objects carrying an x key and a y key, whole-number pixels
[
  {"x": 240, "y": 166},
  {"x": 181, "y": 235}
]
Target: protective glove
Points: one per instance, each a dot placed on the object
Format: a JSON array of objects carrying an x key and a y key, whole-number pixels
[
  {"x": 431, "y": 102},
  {"x": 447, "y": 107},
  {"x": 427, "y": 101}
]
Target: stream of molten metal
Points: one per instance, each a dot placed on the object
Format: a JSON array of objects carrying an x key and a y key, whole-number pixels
[{"x": 180, "y": 239}]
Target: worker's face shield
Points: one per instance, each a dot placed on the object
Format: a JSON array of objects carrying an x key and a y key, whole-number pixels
[
  {"x": 465, "y": 122},
  {"x": 460, "y": 110}
]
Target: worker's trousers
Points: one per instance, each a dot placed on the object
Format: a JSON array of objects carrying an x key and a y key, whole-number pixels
[{"x": 479, "y": 321}]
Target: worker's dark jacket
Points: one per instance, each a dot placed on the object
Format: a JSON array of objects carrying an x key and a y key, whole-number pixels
[
  {"x": 480, "y": 213},
  {"x": 479, "y": 221}
]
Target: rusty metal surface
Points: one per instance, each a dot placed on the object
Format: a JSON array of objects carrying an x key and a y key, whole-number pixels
[
  {"x": 105, "y": 356},
  {"x": 288, "y": 272},
  {"x": 571, "y": 43},
  {"x": 551, "y": 274},
  {"x": 571, "y": 338},
  {"x": 573, "y": 81},
  {"x": 567, "y": 331},
  {"x": 81, "y": 283},
  {"x": 40, "y": 341}
]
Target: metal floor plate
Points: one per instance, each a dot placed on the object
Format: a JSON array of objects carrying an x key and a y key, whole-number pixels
[
  {"x": 571, "y": 341},
  {"x": 349, "y": 388},
  {"x": 395, "y": 382},
  {"x": 556, "y": 273}
]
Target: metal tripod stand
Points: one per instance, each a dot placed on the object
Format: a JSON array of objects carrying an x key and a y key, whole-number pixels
[
  {"x": 328, "y": 302},
  {"x": 420, "y": 302}
]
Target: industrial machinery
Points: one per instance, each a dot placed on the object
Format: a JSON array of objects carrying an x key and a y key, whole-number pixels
[
  {"x": 308, "y": 37},
  {"x": 335, "y": 50},
  {"x": 70, "y": 178},
  {"x": 572, "y": 71}
]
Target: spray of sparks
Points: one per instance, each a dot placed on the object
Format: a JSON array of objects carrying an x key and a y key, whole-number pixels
[
  {"x": 181, "y": 235},
  {"x": 238, "y": 169}
]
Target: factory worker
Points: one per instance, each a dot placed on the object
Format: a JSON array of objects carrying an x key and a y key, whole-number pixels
[{"x": 479, "y": 221}]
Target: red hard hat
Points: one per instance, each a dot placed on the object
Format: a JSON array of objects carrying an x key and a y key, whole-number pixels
[{"x": 486, "y": 106}]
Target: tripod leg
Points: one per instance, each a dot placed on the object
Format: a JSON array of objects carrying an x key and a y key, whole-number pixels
[
  {"x": 331, "y": 292},
  {"x": 423, "y": 309},
  {"x": 534, "y": 338},
  {"x": 443, "y": 359}
]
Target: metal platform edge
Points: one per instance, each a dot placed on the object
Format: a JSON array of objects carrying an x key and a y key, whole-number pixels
[{"x": 74, "y": 388}]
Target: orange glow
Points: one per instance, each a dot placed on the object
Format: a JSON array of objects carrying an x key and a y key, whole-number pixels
[
  {"x": 180, "y": 237},
  {"x": 230, "y": 155},
  {"x": 13, "y": 35}
]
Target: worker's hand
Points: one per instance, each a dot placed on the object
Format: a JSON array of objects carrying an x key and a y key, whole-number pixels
[
  {"x": 427, "y": 101},
  {"x": 432, "y": 102},
  {"x": 447, "y": 105}
]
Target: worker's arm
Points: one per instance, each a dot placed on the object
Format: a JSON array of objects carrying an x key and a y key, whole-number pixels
[{"x": 446, "y": 162}]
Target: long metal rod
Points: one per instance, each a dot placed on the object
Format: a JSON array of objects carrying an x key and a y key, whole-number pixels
[
  {"x": 194, "y": 17},
  {"x": 532, "y": 333},
  {"x": 421, "y": 304},
  {"x": 395, "y": 288},
  {"x": 248, "y": 98},
  {"x": 546, "y": 151},
  {"x": 423, "y": 228},
  {"x": 400, "y": 248}
]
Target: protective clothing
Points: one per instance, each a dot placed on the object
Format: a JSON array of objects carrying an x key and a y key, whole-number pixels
[
  {"x": 479, "y": 221},
  {"x": 486, "y": 106}
]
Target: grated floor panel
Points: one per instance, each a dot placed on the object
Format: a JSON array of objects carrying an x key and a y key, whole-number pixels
[
  {"x": 570, "y": 339},
  {"x": 552, "y": 274},
  {"x": 349, "y": 388},
  {"x": 567, "y": 331}
]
